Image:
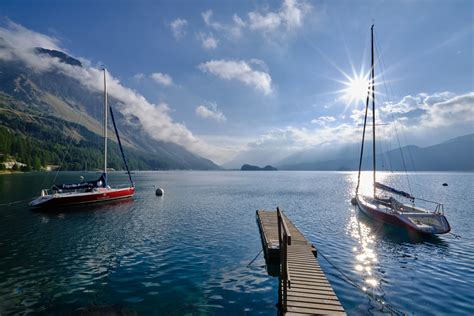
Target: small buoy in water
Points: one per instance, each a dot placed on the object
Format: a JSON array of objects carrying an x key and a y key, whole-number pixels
[
  {"x": 159, "y": 192},
  {"x": 353, "y": 201},
  {"x": 445, "y": 184}
]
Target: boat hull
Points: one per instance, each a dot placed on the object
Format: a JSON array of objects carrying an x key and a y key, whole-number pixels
[
  {"x": 396, "y": 219},
  {"x": 105, "y": 195}
]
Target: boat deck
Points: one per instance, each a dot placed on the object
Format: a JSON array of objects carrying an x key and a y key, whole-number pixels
[{"x": 309, "y": 291}]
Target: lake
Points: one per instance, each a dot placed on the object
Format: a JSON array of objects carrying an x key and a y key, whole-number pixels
[{"x": 188, "y": 251}]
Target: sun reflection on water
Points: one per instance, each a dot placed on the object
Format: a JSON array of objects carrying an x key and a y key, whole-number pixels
[
  {"x": 364, "y": 253},
  {"x": 366, "y": 181}
]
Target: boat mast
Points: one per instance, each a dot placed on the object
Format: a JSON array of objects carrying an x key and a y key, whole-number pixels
[
  {"x": 373, "y": 104},
  {"x": 369, "y": 88},
  {"x": 105, "y": 123}
]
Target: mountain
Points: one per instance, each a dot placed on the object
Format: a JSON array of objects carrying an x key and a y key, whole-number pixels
[
  {"x": 456, "y": 154},
  {"x": 60, "y": 55},
  {"x": 51, "y": 110}
]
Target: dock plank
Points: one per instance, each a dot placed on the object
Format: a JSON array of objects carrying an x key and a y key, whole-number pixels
[{"x": 310, "y": 293}]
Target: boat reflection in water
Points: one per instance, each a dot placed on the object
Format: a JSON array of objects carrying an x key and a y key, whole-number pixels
[{"x": 116, "y": 206}]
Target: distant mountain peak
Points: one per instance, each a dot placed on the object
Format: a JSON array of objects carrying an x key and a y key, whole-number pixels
[
  {"x": 464, "y": 138},
  {"x": 64, "y": 58}
]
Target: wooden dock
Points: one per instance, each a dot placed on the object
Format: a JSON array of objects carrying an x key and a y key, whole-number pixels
[{"x": 303, "y": 287}]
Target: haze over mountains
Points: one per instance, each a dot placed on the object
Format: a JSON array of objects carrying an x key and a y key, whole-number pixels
[{"x": 456, "y": 154}]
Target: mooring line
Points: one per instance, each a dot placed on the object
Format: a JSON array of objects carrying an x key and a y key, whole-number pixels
[
  {"x": 14, "y": 202},
  {"x": 258, "y": 254},
  {"x": 373, "y": 296},
  {"x": 455, "y": 235}
]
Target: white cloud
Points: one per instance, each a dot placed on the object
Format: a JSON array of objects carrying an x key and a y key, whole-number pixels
[
  {"x": 18, "y": 43},
  {"x": 162, "y": 78},
  {"x": 178, "y": 27},
  {"x": 448, "y": 111},
  {"x": 430, "y": 111},
  {"x": 207, "y": 40},
  {"x": 207, "y": 17},
  {"x": 238, "y": 21},
  {"x": 420, "y": 120},
  {"x": 267, "y": 23},
  {"x": 233, "y": 29},
  {"x": 139, "y": 76},
  {"x": 274, "y": 25},
  {"x": 322, "y": 120},
  {"x": 210, "y": 113},
  {"x": 289, "y": 17},
  {"x": 241, "y": 71}
]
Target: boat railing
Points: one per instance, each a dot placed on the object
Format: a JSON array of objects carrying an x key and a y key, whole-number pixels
[
  {"x": 284, "y": 240},
  {"x": 439, "y": 208},
  {"x": 121, "y": 186},
  {"x": 74, "y": 191}
]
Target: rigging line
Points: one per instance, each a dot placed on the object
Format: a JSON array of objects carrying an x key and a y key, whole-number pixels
[
  {"x": 393, "y": 118},
  {"x": 363, "y": 139},
  {"x": 373, "y": 296},
  {"x": 411, "y": 158},
  {"x": 382, "y": 65},
  {"x": 120, "y": 145},
  {"x": 382, "y": 152},
  {"x": 62, "y": 161}
]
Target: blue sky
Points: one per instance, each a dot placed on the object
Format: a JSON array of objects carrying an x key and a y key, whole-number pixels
[{"x": 251, "y": 78}]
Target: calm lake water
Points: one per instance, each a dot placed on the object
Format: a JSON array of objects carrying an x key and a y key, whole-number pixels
[{"x": 187, "y": 252}]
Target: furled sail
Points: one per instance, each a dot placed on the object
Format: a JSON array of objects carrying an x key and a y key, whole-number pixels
[
  {"x": 392, "y": 190},
  {"x": 99, "y": 183}
]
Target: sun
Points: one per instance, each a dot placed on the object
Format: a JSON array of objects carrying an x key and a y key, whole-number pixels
[{"x": 356, "y": 89}]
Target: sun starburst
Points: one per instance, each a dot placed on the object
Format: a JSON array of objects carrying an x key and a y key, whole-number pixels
[{"x": 356, "y": 89}]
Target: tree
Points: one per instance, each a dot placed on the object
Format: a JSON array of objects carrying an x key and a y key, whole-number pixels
[{"x": 37, "y": 163}]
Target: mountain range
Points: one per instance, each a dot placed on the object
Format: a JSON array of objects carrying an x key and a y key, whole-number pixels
[
  {"x": 455, "y": 154},
  {"x": 47, "y": 114}
]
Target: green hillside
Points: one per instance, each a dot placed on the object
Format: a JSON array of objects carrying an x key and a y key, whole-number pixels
[{"x": 39, "y": 140}]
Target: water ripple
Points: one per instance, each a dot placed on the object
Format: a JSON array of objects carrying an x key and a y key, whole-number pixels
[{"x": 187, "y": 252}]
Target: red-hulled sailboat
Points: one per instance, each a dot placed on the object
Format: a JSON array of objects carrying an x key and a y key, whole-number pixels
[
  {"x": 90, "y": 191},
  {"x": 384, "y": 206}
]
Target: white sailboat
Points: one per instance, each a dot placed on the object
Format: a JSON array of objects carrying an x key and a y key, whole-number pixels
[{"x": 386, "y": 204}]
